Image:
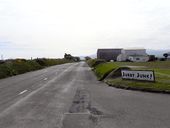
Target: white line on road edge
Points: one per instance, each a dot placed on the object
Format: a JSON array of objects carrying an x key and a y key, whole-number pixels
[{"x": 23, "y": 92}]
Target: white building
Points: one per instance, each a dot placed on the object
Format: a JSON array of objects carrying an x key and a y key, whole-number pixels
[
  {"x": 134, "y": 51},
  {"x": 138, "y": 58},
  {"x": 122, "y": 57},
  {"x": 134, "y": 55}
]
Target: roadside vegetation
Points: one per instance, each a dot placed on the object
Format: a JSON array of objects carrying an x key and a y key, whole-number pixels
[
  {"x": 19, "y": 66},
  {"x": 95, "y": 62},
  {"x": 102, "y": 70},
  {"x": 161, "y": 69}
]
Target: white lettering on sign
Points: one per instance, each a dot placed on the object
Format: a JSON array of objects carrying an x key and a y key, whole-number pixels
[{"x": 138, "y": 75}]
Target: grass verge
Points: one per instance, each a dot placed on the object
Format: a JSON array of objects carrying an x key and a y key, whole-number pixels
[
  {"x": 162, "y": 74},
  {"x": 94, "y": 62},
  {"x": 161, "y": 69},
  {"x": 102, "y": 70},
  {"x": 161, "y": 84}
]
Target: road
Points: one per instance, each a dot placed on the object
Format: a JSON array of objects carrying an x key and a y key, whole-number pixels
[{"x": 69, "y": 96}]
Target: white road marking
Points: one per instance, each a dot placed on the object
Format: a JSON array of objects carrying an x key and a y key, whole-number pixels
[
  {"x": 23, "y": 92},
  {"x": 45, "y": 78},
  {"x": 12, "y": 107}
]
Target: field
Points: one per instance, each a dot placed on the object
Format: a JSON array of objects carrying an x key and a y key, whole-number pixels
[{"x": 161, "y": 69}]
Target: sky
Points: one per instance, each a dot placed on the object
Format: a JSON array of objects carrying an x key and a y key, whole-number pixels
[{"x": 50, "y": 28}]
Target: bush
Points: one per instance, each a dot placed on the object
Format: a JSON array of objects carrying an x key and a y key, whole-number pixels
[
  {"x": 41, "y": 61},
  {"x": 2, "y": 62},
  {"x": 50, "y": 62},
  {"x": 19, "y": 66},
  {"x": 95, "y": 62},
  {"x": 162, "y": 59},
  {"x": 4, "y": 71}
]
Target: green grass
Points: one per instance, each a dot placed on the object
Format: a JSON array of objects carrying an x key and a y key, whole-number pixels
[
  {"x": 94, "y": 62},
  {"x": 150, "y": 65},
  {"x": 161, "y": 69},
  {"x": 162, "y": 75},
  {"x": 104, "y": 69},
  {"x": 161, "y": 84}
]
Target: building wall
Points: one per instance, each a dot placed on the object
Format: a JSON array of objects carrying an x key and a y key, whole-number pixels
[
  {"x": 122, "y": 57},
  {"x": 139, "y": 58},
  {"x": 134, "y": 51},
  {"x": 108, "y": 54},
  {"x": 135, "y": 55}
]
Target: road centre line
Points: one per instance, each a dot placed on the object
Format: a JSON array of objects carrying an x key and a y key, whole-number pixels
[{"x": 22, "y": 92}]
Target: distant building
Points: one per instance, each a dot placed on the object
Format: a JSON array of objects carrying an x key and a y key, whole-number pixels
[
  {"x": 122, "y": 57},
  {"x": 108, "y": 54},
  {"x": 134, "y": 55},
  {"x": 134, "y": 51},
  {"x": 138, "y": 58}
]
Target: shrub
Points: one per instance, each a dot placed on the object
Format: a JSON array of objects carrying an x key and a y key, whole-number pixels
[
  {"x": 19, "y": 66},
  {"x": 95, "y": 62},
  {"x": 4, "y": 71},
  {"x": 162, "y": 59}
]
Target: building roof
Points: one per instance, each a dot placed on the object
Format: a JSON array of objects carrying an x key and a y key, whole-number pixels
[
  {"x": 109, "y": 49},
  {"x": 135, "y": 49}
]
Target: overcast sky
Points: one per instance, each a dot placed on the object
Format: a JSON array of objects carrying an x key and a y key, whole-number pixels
[{"x": 49, "y": 28}]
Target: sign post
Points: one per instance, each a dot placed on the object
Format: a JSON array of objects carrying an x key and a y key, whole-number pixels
[{"x": 141, "y": 75}]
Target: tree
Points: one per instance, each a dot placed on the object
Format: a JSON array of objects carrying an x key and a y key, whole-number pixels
[
  {"x": 71, "y": 58},
  {"x": 165, "y": 55},
  {"x": 68, "y": 56},
  {"x": 87, "y": 58},
  {"x": 76, "y": 59}
]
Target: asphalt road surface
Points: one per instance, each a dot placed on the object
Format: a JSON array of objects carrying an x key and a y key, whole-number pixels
[{"x": 69, "y": 96}]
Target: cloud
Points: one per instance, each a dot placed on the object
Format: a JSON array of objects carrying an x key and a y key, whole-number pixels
[{"x": 51, "y": 27}]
